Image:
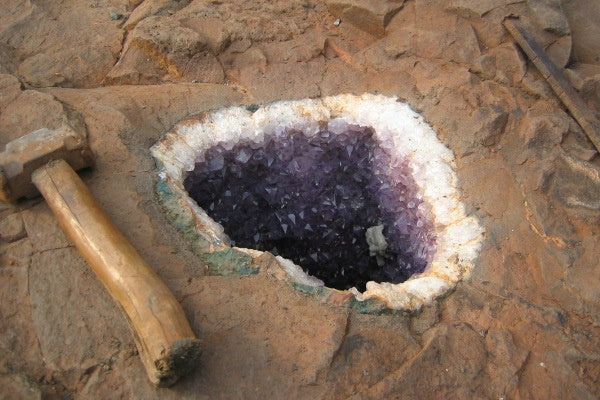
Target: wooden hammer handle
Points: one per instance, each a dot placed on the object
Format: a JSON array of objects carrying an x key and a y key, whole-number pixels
[{"x": 165, "y": 340}]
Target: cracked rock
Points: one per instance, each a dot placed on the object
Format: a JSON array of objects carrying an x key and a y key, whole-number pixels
[
  {"x": 212, "y": 30},
  {"x": 16, "y": 254},
  {"x": 576, "y": 184},
  {"x": 479, "y": 8},
  {"x": 161, "y": 49},
  {"x": 19, "y": 387},
  {"x": 371, "y": 16},
  {"x": 10, "y": 89},
  {"x": 74, "y": 317},
  {"x": 549, "y": 16},
  {"x": 30, "y": 111},
  {"x": 43, "y": 230},
  {"x": 11, "y": 228}
]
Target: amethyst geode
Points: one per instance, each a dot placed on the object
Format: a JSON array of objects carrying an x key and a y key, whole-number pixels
[
  {"x": 312, "y": 199},
  {"x": 350, "y": 191}
]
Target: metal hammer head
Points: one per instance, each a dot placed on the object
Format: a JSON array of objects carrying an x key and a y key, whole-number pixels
[{"x": 27, "y": 153}]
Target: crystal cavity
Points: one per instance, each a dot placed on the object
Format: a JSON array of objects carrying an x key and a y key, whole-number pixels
[{"x": 351, "y": 192}]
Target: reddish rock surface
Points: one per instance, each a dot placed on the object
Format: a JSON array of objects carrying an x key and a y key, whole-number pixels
[{"x": 524, "y": 326}]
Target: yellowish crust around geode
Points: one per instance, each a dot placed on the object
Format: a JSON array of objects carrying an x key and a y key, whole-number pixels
[{"x": 458, "y": 236}]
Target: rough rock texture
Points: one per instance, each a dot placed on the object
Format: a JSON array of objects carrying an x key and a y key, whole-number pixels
[
  {"x": 160, "y": 49},
  {"x": 29, "y": 111},
  {"x": 526, "y": 325},
  {"x": 50, "y": 47},
  {"x": 370, "y": 16},
  {"x": 11, "y": 228},
  {"x": 583, "y": 17}
]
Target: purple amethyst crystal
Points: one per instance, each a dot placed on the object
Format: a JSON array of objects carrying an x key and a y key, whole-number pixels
[{"x": 312, "y": 200}]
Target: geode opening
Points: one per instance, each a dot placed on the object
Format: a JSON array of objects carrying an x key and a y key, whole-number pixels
[
  {"x": 334, "y": 203},
  {"x": 357, "y": 190}
]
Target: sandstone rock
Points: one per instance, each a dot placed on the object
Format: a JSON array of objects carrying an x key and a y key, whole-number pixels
[
  {"x": 399, "y": 43},
  {"x": 56, "y": 49},
  {"x": 576, "y": 184},
  {"x": 301, "y": 49},
  {"x": 556, "y": 46},
  {"x": 543, "y": 129},
  {"x": 574, "y": 77},
  {"x": 30, "y": 111},
  {"x": 203, "y": 67},
  {"x": 212, "y": 30},
  {"x": 110, "y": 113},
  {"x": 485, "y": 66},
  {"x": 495, "y": 123},
  {"x": 444, "y": 35},
  {"x": 259, "y": 22},
  {"x": 276, "y": 81},
  {"x": 426, "y": 319},
  {"x": 74, "y": 317},
  {"x": 371, "y": 16},
  {"x": 7, "y": 66},
  {"x": 42, "y": 70},
  {"x": 545, "y": 367},
  {"x": 585, "y": 154},
  {"x": 17, "y": 254},
  {"x": 14, "y": 12},
  {"x": 583, "y": 17},
  {"x": 11, "y": 228},
  {"x": 506, "y": 360},
  {"x": 586, "y": 79},
  {"x": 366, "y": 355},
  {"x": 18, "y": 342},
  {"x": 549, "y": 16},
  {"x": 385, "y": 55},
  {"x": 482, "y": 128},
  {"x": 253, "y": 57},
  {"x": 489, "y": 28},
  {"x": 338, "y": 78},
  {"x": 489, "y": 182},
  {"x": 442, "y": 381},
  {"x": 166, "y": 35},
  {"x": 43, "y": 229},
  {"x": 584, "y": 277},
  {"x": 147, "y": 8},
  {"x": 559, "y": 51},
  {"x": 260, "y": 331},
  {"x": 67, "y": 66},
  {"x": 18, "y": 387},
  {"x": 510, "y": 63},
  {"x": 479, "y": 8},
  {"x": 10, "y": 89},
  {"x": 14, "y": 292},
  {"x": 135, "y": 67},
  {"x": 239, "y": 46},
  {"x": 159, "y": 48}
]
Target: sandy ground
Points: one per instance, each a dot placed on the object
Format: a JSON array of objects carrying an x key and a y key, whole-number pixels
[{"x": 524, "y": 326}]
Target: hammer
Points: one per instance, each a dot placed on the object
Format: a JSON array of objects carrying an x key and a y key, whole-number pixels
[{"x": 44, "y": 161}]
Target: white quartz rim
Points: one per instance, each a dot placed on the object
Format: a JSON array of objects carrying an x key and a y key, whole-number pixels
[{"x": 458, "y": 236}]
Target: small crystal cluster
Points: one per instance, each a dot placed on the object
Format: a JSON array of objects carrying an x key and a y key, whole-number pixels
[{"x": 312, "y": 198}]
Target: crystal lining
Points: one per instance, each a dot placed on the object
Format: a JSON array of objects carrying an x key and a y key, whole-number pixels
[
  {"x": 313, "y": 199},
  {"x": 440, "y": 241}
]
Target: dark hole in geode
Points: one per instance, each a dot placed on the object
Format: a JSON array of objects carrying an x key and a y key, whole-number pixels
[{"x": 312, "y": 199}]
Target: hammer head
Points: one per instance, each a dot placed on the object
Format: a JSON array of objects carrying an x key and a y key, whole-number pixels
[{"x": 27, "y": 153}]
